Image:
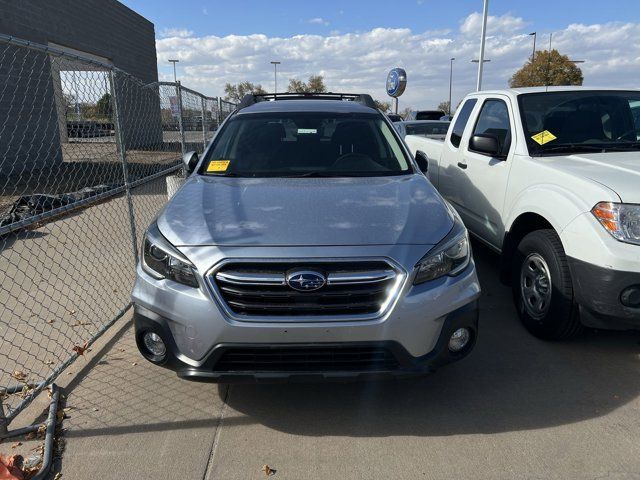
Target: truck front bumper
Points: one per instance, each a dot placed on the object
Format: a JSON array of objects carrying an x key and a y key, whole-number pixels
[{"x": 608, "y": 298}]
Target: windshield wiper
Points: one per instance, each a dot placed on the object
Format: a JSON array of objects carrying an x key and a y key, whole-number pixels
[
  {"x": 623, "y": 147},
  {"x": 570, "y": 148},
  {"x": 224, "y": 175},
  {"x": 309, "y": 174}
]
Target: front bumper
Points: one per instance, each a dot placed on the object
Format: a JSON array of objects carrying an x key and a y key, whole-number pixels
[
  {"x": 600, "y": 293},
  {"x": 405, "y": 364}
]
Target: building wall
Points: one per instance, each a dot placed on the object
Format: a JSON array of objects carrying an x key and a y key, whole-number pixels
[
  {"x": 105, "y": 28},
  {"x": 28, "y": 110}
]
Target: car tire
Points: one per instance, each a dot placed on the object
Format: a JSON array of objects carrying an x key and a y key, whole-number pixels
[{"x": 542, "y": 287}]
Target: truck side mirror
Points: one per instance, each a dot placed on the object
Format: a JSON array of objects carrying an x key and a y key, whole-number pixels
[
  {"x": 190, "y": 160},
  {"x": 486, "y": 144},
  {"x": 423, "y": 162}
]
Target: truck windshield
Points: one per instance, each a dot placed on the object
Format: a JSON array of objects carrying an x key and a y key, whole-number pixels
[
  {"x": 306, "y": 144},
  {"x": 581, "y": 121}
]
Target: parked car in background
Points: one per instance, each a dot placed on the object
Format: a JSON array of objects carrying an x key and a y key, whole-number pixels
[
  {"x": 394, "y": 117},
  {"x": 425, "y": 115},
  {"x": 306, "y": 243},
  {"x": 550, "y": 178},
  {"x": 424, "y": 128}
]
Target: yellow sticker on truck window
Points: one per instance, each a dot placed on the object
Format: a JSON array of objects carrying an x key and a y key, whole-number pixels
[
  {"x": 218, "y": 165},
  {"x": 543, "y": 137}
]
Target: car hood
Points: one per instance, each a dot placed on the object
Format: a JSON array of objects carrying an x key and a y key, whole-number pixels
[
  {"x": 618, "y": 171},
  {"x": 305, "y": 212}
]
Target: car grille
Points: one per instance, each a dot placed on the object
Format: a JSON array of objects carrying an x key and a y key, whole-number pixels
[
  {"x": 306, "y": 359},
  {"x": 353, "y": 288}
]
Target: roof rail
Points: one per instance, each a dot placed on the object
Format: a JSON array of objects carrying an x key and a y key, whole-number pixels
[{"x": 361, "y": 98}]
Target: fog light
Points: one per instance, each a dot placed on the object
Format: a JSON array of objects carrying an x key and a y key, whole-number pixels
[
  {"x": 630, "y": 297},
  {"x": 154, "y": 344},
  {"x": 459, "y": 339}
]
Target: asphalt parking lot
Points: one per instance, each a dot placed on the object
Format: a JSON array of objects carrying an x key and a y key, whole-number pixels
[{"x": 516, "y": 408}]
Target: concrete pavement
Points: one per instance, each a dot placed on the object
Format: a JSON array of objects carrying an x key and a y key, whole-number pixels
[{"x": 516, "y": 408}]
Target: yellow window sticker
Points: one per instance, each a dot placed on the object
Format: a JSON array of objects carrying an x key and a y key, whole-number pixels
[
  {"x": 543, "y": 137},
  {"x": 218, "y": 165}
]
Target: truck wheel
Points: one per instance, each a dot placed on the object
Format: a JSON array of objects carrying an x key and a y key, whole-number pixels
[{"x": 542, "y": 287}]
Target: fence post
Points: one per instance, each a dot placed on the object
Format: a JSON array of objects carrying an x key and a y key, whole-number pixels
[
  {"x": 219, "y": 111},
  {"x": 204, "y": 125},
  {"x": 122, "y": 153},
  {"x": 3, "y": 417},
  {"x": 180, "y": 122}
]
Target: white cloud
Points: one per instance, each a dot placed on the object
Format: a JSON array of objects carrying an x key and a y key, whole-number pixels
[
  {"x": 176, "y": 33},
  {"x": 205, "y": 11},
  {"x": 359, "y": 62},
  {"x": 318, "y": 21}
]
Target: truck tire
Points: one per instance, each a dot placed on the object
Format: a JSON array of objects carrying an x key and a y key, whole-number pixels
[{"x": 542, "y": 287}]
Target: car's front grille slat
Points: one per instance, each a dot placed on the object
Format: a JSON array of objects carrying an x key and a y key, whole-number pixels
[
  {"x": 260, "y": 288},
  {"x": 310, "y": 359}
]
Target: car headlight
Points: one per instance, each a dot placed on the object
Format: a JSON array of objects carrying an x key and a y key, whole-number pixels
[
  {"x": 161, "y": 260},
  {"x": 450, "y": 257},
  {"x": 621, "y": 220}
]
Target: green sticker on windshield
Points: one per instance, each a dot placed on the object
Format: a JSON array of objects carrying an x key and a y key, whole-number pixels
[{"x": 543, "y": 137}]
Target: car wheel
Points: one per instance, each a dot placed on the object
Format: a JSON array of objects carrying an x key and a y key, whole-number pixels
[{"x": 542, "y": 287}]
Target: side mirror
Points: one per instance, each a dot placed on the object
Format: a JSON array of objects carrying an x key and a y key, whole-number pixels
[
  {"x": 423, "y": 162},
  {"x": 190, "y": 160},
  {"x": 485, "y": 144}
]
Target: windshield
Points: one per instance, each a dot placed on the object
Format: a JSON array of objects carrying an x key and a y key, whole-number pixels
[
  {"x": 581, "y": 121},
  {"x": 306, "y": 144},
  {"x": 430, "y": 128}
]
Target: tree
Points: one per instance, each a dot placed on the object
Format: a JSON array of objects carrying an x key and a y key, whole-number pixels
[
  {"x": 547, "y": 69},
  {"x": 404, "y": 113},
  {"x": 445, "y": 107},
  {"x": 315, "y": 84},
  {"x": 235, "y": 93},
  {"x": 103, "y": 106},
  {"x": 383, "y": 106}
]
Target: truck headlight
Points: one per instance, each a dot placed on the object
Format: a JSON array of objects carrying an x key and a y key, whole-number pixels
[
  {"x": 621, "y": 220},
  {"x": 161, "y": 260},
  {"x": 450, "y": 257}
]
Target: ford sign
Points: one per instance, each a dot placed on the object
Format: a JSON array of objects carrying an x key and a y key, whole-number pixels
[{"x": 396, "y": 82}]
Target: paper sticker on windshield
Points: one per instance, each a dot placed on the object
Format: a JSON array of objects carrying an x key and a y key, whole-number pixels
[
  {"x": 218, "y": 165},
  {"x": 543, "y": 137},
  {"x": 308, "y": 131}
]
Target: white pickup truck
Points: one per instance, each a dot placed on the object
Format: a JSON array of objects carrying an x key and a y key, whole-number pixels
[{"x": 550, "y": 179}]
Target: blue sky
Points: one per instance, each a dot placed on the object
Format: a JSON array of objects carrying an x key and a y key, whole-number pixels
[
  {"x": 286, "y": 17},
  {"x": 353, "y": 44}
]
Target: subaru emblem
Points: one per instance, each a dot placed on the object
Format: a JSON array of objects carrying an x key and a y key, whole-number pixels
[{"x": 306, "y": 280}]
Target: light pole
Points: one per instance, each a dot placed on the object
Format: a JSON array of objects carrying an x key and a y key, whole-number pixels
[
  {"x": 275, "y": 76},
  {"x": 534, "y": 35},
  {"x": 450, "y": 81},
  {"x": 175, "y": 78},
  {"x": 485, "y": 12}
]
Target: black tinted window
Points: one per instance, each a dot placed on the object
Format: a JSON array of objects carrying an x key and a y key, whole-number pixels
[
  {"x": 461, "y": 122},
  {"x": 294, "y": 144},
  {"x": 581, "y": 121},
  {"x": 436, "y": 128},
  {"x": 494, "y": 120}
]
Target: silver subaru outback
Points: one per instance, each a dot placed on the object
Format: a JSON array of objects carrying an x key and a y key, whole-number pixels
[{"x": 306, "y": 243}]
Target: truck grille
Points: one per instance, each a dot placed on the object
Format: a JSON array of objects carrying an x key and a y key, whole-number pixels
[
  {"x": 306, "y": 359},
  {"x": 353, "y": 288}
]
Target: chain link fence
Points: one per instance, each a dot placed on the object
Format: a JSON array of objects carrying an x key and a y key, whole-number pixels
[{"x": 85, "y": 154}]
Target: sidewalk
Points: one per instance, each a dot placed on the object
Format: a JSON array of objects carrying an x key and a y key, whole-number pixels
[
  {"x": 516, "y": 408},
  {"x": 129, "y": 419}
]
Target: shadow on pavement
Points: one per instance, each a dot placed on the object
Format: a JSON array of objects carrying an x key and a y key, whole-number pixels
[{"x": 512, "y": 381}]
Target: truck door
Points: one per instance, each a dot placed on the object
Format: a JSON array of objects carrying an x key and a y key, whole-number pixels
[
  {"x": 451, "y": 178},
  {"x": 487, "y": 175}
]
